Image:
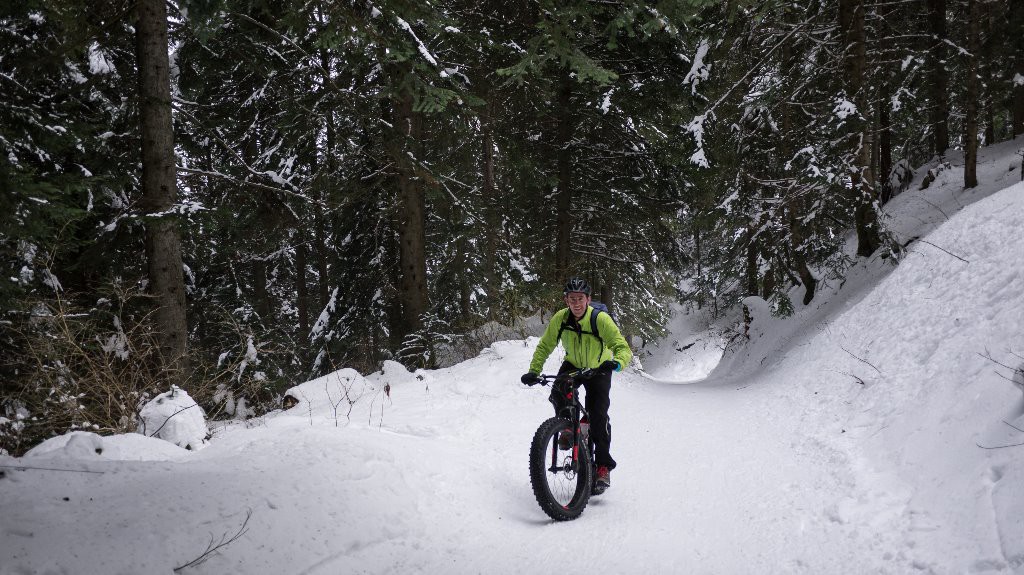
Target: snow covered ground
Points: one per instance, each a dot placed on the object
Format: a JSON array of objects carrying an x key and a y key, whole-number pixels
[{"x": 874, "y": 432}]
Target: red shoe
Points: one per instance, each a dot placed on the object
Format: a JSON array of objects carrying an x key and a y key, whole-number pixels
[{"x": 603, "y": 480}]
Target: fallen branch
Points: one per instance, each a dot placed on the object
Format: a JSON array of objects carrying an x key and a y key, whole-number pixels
[
  {"x": 1013, "y": 426},
  {"x": 211, "y": 548},
  {"x": 943, "y": 249},
  {"x": 169, "y": 418},
  {"x": 26, "y": 467},
  {"x": 861, "y": 360},
  {"x": 937, "y": 208},
  {"x": 1018, "y": 372},
  {"x": 999, "y": 446},
  {"x": 989, "y": 357},
  {"x": 856, "y": 379}
]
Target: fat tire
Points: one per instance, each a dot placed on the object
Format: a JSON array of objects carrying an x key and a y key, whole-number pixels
[{"x": 539, "y": 461}]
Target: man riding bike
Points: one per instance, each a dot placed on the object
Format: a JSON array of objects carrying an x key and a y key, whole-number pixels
[{"x": 585, "y": 347}]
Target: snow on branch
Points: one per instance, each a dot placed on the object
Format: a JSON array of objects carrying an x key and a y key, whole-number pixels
[
  {"x": 699, "y": 71},
  {"x": 423, "y": 49},
  {"x": 696, "y": 126},
  {"x": 234, "y": 180},
  {"x": 844, "y": 108},
  {"x": 696, "y": 129}
]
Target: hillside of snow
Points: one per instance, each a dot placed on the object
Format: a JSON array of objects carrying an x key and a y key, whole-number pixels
[{"x": 879, "y": 430}]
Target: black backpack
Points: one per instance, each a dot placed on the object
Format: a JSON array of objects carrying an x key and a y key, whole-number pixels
[{"x": 598, "y": 308}]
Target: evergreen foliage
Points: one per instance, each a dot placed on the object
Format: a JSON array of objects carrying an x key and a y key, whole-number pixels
[{"x": 368, "y": 181}]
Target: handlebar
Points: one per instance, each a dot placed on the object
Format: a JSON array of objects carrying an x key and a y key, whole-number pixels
[{"x": 573, "y": 376}]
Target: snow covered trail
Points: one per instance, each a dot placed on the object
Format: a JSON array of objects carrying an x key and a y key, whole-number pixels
[
  {"x": 709, "y": 482},
  {"x": 714, "y": 479}
]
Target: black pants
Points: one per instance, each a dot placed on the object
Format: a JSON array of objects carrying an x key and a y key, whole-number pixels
[{"x": 596, "y": 404}]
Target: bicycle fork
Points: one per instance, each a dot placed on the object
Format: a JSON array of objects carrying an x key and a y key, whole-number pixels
[{"x": 580, "y": 436}]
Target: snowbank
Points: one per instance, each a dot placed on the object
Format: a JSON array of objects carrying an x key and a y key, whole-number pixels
[{"x": 126, "y": 447}]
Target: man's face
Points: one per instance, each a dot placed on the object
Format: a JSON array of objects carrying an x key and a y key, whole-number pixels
[{"x": 577, "y": 303}]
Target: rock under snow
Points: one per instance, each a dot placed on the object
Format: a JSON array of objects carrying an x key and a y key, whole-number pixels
[{"x": 174, "y": 416}]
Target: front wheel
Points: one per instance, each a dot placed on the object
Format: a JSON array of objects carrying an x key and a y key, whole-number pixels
[{"x": 560, "y": 478}]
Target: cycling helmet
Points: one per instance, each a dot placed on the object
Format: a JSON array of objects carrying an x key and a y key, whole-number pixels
[{"x": 577, "y": 285}]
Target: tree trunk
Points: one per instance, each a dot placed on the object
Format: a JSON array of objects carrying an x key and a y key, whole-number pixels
[
  {"x": 985, "y": 69},
  {"x": 302, "y": 286},
  {"x": 411, "y": 214},
  {"x": 971, "y": 105},
  {"x": 464, "y": 276},
  {"x": 1016, "y": 30},
  {"x": 797, "y": 238},
  {"x": 320, "y": 223},
  {"x": 563, "y": 235},
  {"x": 492, "y": 210},
  {"x": 769, "y": 280},
  {"x": 751, "y": 267},
  {"x": 320, "y": 260},
  {"x": 259, "y": 289},
  {"x": 697, "y": 260},
  {"x": 159, "y": 187},
  {"x": 939, "y": 89},
  {"x": 796, "y": 206},
  {"x": 851, "y": 23},
  {"x": 884, "y": 152}
]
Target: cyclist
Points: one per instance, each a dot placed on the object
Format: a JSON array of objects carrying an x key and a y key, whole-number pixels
[{"x": 585, "y": 349}]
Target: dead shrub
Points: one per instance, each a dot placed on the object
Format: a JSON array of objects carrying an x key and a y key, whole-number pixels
[{"x": 70, "y": 368}]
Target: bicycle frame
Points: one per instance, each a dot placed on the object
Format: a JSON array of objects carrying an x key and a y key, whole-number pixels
[{"x": 576, "y": 412}]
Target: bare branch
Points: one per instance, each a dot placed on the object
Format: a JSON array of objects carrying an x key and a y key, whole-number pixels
[
  {"x": 998, "y": 446},
  {"x": 943, "y": 249},
  {"x": 26, "y": 467},
  {"x": 861, "y": 360},
  {"x": 989, "y": 357},
  {"x": 169, "y": 418},
  {"x": 211, "y": 548},
  {"x": 1013, "y": 426},
  {"x": 234, "y": 180}
]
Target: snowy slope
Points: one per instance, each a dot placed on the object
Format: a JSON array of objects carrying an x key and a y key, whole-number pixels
[{"x": 845, "y": 440}]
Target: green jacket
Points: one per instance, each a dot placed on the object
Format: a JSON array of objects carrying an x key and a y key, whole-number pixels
[{"x": 582, "y": 349}]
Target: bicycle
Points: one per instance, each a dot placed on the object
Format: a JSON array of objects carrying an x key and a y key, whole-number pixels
[{"x": 562, "y": 476}]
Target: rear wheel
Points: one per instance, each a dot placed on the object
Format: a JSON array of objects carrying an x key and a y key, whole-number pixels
[{"x": 561, "y": 478}]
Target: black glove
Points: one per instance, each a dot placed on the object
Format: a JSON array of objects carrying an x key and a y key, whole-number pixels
[
  {"x": 530, "y": 378},
  {"x": 608, "y": 366}
]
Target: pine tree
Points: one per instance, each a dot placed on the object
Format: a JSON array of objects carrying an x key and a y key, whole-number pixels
[{"x": 159, "y": 186}]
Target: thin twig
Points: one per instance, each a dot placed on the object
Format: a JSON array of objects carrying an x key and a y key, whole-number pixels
[
  {"x": 943, "y": 249},
  {"x": 855, "y": 378},
  {"x": 24, "y": 467},
  {"x": 1013, "y": 426},
  {"x": 211, "y": 548},
  {"x": 936, "y": 207},
  {"x": 1009, "y": 379},
  {"x": 998, "y": 446},
  {"x": 169, "y": 418},
  {"x": 861, "y": 360},
  {"x": 989, "y": 357},
  {"x": 234, "y": 180}
]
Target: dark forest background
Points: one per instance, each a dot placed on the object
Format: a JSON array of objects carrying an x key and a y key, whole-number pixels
[{"x": 236, "y": 196}]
